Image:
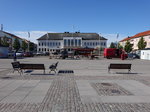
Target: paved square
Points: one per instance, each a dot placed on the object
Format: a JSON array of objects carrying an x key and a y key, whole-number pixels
[
  {"x": 23, "y": 91},
  {"x": 133, "y": 91},
  {"x": 89, "y": 89}
]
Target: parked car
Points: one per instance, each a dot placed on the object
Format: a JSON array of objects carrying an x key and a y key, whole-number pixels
[
  {"x": 39, "y": 54},
  {"x": 133, "y": 56},
  {"x": 28, "y": 54},
  {"x": 19, "y": 54}
]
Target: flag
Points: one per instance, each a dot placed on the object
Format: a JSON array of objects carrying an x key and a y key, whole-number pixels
[
  {"x": 28, "y": 34},
  {"x": 47, "y": 35},
  {"x": 117, "y": 35}
]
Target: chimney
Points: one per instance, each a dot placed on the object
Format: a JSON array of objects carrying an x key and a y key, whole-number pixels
[{"x": 66, "y": 32}]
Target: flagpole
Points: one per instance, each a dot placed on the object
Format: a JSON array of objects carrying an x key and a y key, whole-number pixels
[
  {"x": 28, "y": 41},
  {"x": 117, "y": 40}
]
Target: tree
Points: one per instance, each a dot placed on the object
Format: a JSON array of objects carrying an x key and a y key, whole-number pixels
[
  {"x": 31, "y": 46},
  {"x": 128, "y": 47},
  {"x": 16, "y": 44},
  {"x": 141, "y": 43},
  {"x": 112, "y": 45},
  {"x": 24, "y": 46},
  {"x": 120, "y": 46},
  {"x": 4, "y": 41}
]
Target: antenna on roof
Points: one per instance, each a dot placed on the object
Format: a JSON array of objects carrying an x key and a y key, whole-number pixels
[{"x": 1, "y": 27}]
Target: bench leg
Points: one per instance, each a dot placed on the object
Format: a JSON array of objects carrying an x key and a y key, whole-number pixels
[
  {"x": 108, "y": 70},
  {"x": 129, "y": 70}
]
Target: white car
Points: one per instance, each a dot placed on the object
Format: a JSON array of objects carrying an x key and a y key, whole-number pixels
[{"x": 19, "y": 54}]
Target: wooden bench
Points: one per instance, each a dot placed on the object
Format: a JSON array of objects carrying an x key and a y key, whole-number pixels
[
  {"x": 119, "y": 66},
  {"x": 17, "y": 66},
  {"x": 24, "y": 66}
]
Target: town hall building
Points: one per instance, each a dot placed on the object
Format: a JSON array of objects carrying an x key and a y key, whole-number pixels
[{"x": 52, "y": 42}]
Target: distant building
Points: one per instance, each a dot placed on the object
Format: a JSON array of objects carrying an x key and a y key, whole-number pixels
[
  {"x": 135, "y": 39},
  {"x": 10, "y": 39},
  {"x": 3, "y": 51},
  {"x": 51, "y": 42},
  {"x": 145, "y": 54}
]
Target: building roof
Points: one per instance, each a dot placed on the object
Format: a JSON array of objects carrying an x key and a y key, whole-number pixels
[
  {"x": 12, "y": 35},
  {"x": 137, "y": 35},
  {"x": 59, "y": 36}
]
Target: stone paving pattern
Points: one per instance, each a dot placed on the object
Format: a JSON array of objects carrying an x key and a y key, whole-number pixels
[
  {"x": 110, "y": 89},
  {"x": 63, "y": 92}
]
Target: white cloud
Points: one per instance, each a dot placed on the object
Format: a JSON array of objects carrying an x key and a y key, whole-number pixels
[
  {"x": 113, "y": 38},
  {"x": 34, "y": 35}
]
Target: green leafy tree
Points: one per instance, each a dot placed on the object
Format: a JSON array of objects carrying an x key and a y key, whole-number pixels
[
  {"x": 24, "y": 46},
  {"x": 31, "y": 46},
  {"x": 128, "y": 47},
  {"x": 16, "y": 44},
  {"x": 4, "y": 41},
  {"x": 112, "y": 45},
  {"x": 141, "y": 43},
  {"x": 120, "y": 46}
]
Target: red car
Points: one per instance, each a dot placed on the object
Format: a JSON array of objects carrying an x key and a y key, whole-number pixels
[
  {"x": 113, "y": 53},
  {"x": 28, "y": 54}
]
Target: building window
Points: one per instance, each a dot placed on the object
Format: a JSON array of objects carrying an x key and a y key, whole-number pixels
[
  {"x": 93, "y": 43},
  {"x": 79, "y": 42},
  {"x": 96, "y": 43},
  {"x": 53, "y": 43},
  {"x": 42, "y": 43},
  {"x": 39, "y": 44},
  {"x": 72, "y": 42},
  {"x": 87, "y": 43},
  {"x": 68, "y": 42},
  {"x": 59, "y": 43},
  {"x": 65, "y": 42},
  {"x": 76, "y": 41},
  {"x": 39, "y": 49},
  {"x": 90, "y": 43},
  {"x": 104, "y": 44},
  {"x": 84, "y": 43}
]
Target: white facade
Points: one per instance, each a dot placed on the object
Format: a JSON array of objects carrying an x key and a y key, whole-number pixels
[
  {"x": 135, "y": 39},
  {"x": 49, "y": 45},
  {"x": 145, "y": 54},
  {"x": 69, "y": 43}
]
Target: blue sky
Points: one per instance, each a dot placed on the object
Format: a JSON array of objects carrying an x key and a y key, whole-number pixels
[{"x": 108, "y": 17}]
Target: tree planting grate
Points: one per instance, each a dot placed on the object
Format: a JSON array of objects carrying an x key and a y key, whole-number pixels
[
  {"x": 65, "y": 72},
  {"x": 110, "y": 89}
]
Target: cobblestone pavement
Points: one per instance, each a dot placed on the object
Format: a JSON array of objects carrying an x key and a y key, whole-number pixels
[{"x": 63, "y": 94}]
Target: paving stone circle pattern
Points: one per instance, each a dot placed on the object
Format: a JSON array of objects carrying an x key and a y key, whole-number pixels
[{"x": 110, "y": 89}]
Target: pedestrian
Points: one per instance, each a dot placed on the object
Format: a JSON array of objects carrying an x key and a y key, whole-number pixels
[{"x": 15, "y": 57}]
